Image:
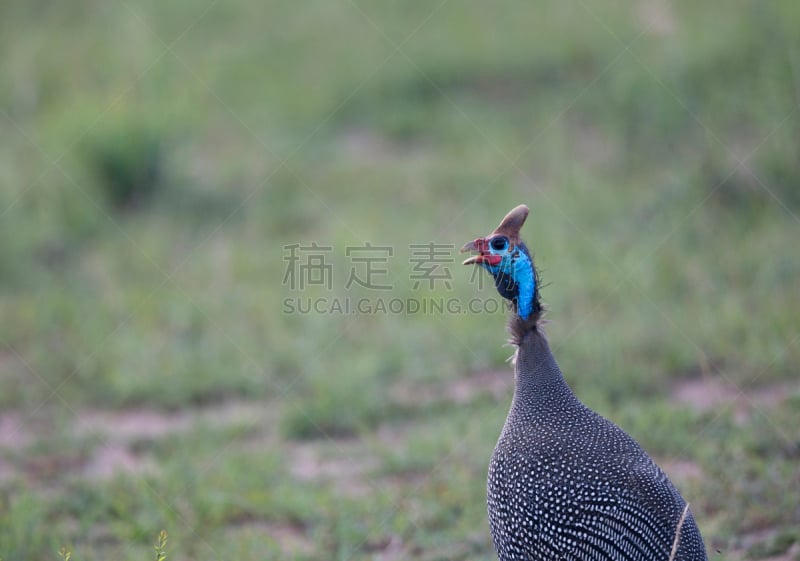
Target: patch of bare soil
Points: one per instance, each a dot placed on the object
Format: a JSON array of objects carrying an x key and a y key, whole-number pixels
[
  {"x": 291, "y": 539},
  {"x": 497, "y": 384},
  {"x": 681, "y": 472},
  {"x": 131, "y": 424},
  {"x": 593, "y": 147},
  {"x": 7, "y": 470},
  {"x": 108, "y": 460},
  {"x": 346, "y": 469},
  {"x": 388, "y": 548},
  {"x": 13, "y": 433},
  {"x": 710, "y": 392},
  {"x": 749, "y": 544},
  {"x": 657, "y": 18},
  {"x": 792, "y": 554},
  {"x": 365, "y": 145},
  {"x": 118, "y": 433},
  {"x": 121, "y": 429},
  {"x": 146, "y": 424}
]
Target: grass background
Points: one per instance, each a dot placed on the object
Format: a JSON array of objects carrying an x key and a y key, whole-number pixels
[{"x": 158, "y": 157}]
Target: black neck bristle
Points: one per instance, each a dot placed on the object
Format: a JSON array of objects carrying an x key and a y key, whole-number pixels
[{"x": 519, "y": 328}]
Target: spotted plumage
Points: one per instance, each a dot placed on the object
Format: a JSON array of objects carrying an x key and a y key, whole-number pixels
[{"x": 565, "y": 483}]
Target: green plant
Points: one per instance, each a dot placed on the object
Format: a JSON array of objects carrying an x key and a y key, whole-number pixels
[{"x": 128, "y": 161}]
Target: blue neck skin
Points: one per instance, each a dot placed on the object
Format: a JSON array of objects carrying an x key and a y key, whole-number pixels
[{"x": 515, "y": 280}]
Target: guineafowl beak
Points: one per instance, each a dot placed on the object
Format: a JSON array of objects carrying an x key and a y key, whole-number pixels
[
  {"x": 509, "y": 227},
  {"x": 482, "y": 246}
]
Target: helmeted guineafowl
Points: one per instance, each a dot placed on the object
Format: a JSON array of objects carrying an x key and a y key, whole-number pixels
[{"x": 565, "y": 483}]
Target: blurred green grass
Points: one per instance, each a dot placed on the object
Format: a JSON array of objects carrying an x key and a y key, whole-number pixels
[{"x": 157, "y": 158}]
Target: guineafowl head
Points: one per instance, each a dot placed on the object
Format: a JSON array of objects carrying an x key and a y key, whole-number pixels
[{"x": 506, "y": 257}]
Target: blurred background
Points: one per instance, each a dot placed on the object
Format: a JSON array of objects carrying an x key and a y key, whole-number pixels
[{"x": 181, "y": 180}]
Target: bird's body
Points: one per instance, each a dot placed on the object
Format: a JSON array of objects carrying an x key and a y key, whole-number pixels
[{"x": 566, "y": 484}]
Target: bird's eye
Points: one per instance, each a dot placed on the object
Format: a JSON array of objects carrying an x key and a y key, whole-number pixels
[{"x": 499, "y": 244}]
